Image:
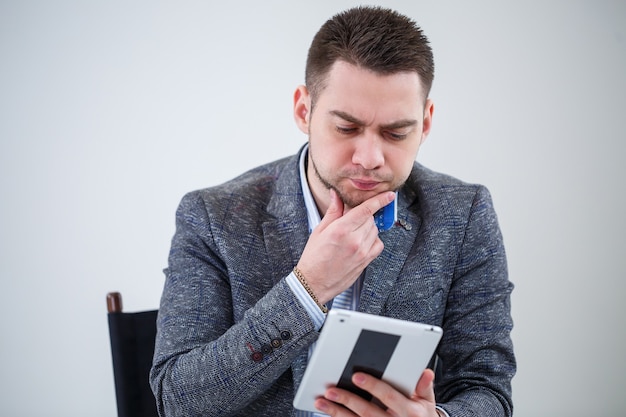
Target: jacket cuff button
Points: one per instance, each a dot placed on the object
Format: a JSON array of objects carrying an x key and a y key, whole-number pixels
[{"x": 285, "y": 335}]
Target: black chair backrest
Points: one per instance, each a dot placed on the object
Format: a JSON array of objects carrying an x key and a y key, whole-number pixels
[{"x": 132, "y": 347}]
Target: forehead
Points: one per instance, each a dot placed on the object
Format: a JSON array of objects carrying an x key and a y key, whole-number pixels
[{"x": 369, "y": 95}]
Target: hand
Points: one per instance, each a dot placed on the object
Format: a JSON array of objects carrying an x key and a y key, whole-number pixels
[
  {"x": 342, "y": 403},
  {"x": 342, "y": 245}
]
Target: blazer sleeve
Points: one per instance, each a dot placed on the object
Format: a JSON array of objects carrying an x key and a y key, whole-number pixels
[
  {"x": 476, "y": 350},
  {"x": 204, "y": 361}
]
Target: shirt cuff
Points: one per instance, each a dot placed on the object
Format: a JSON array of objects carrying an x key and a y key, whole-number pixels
[
  {"x": 305, "y": 299},
  {"x": 444, "y": 412}
]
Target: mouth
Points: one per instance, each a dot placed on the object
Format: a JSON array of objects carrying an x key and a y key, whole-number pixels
[{"x": 364, "y": 184}]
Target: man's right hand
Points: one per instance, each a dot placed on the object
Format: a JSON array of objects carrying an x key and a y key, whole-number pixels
[{"x": 342, "y": 246}]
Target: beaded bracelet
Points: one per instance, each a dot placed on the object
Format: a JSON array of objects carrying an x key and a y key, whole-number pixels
[{"x": 308, "y": 289}]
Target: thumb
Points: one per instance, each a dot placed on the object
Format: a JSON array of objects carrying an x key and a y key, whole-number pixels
[{"x": 424, "y": 389}]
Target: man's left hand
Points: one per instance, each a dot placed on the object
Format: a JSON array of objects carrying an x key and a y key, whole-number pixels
[{"x": 341, "y": 403}]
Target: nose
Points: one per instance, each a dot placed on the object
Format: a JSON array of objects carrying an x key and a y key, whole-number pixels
[{"x": 368, "y": 152}]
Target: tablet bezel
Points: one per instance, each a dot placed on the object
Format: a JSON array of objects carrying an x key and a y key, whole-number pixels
[{"x": 414, "y": 350}]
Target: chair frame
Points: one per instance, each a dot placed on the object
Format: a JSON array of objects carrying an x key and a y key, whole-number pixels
[{"x": 132, "y": 347}]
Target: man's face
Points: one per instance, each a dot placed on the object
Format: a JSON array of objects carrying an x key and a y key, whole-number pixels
[{"x": 364, "y": 132}]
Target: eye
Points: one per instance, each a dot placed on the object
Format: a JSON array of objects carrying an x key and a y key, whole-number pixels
[
  {"x": 397, "y": 136},
  {"x": 346, "y": 130}
]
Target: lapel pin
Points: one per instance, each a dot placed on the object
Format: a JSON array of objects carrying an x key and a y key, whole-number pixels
[{"x": 402, "y": 223}]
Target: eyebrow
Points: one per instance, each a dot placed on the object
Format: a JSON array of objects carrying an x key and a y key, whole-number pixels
[{"x": 399, "y": 124}]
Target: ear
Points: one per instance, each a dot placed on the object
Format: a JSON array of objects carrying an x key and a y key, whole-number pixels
[
  {"x": 429, "y": 108},
  {"x": 302, "y": 108}
]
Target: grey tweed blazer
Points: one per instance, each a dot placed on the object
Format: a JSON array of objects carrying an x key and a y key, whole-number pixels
[{"x": 232, "y": 338}]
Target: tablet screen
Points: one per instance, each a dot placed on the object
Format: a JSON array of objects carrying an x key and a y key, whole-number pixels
[{"x": 371, "y": 354}]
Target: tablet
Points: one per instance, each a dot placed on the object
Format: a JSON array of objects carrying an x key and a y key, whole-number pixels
[{"x": 396, "y": 351}]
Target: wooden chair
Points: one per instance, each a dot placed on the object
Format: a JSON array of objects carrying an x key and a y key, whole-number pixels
[{"x": 132, "y": 347}]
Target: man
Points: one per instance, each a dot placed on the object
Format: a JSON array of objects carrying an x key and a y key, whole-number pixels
[{"x": 255, "y": 262}]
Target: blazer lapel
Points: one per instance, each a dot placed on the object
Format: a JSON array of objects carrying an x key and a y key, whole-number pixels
[
  {"x": 287, "y": 230},
  {"x": 382, "y": 273},
  {"x": 284, "y": 243}
]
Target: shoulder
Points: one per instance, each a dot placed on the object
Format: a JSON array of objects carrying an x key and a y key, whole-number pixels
[
  {"x": 424, "y": 178},
  {"x": 443, "y": 195},
  {"x": 242, "y": 200},
  {"x": 455, "y": 212},
  {"x": 253, "y": 186}
]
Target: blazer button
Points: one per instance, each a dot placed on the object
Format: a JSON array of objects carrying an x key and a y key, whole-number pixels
[
  {"x": 257, "y": 356},
  {"x": 276, "y": 343},
  {"x": 267, "y": 349},
  {"x": 285, "y": 335}
]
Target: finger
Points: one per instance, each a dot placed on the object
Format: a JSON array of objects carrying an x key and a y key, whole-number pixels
[
  {"x": 424, "y": 389},
  {"x": 371, "y": 243},
  {"x": 332, "y": 409},
  {"x": 385, "y": 393},
  {"x": 334, "y": 211},
  {"x": 364, "y": 211},
  {"x": 338, "y": 402}
]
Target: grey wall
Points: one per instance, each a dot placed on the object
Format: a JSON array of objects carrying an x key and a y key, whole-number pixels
[{"x": 110, "y": 111}]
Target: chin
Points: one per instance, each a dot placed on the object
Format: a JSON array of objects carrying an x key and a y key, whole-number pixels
[{"x": 354, "y": 198}]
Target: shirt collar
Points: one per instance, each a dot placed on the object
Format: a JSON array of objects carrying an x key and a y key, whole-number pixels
[{"x": 311, "y": 208}]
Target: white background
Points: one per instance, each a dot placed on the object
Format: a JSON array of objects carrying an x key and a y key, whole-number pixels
[{"x": 110, "y": 111}]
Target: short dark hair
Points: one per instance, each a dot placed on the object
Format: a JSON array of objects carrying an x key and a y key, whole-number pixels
[{"x": 378, "y": 39}]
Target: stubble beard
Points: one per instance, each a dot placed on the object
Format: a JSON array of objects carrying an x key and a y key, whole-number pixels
[{"x": 348, "y": 200}]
